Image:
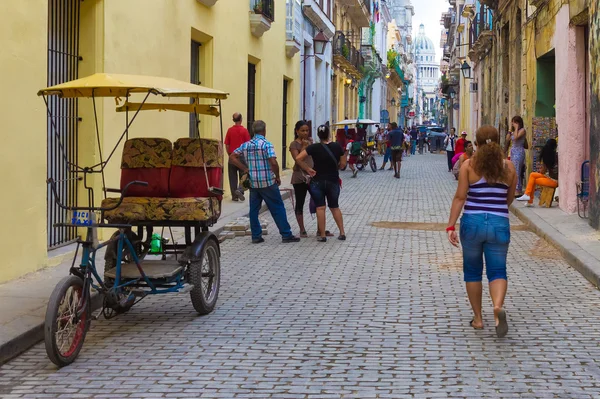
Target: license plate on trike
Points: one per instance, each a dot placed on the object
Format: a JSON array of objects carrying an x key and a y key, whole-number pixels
[{"x": 81, "y": 218}]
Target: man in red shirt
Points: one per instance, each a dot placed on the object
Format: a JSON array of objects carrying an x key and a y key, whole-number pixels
[{"x": 236, "y": 136}]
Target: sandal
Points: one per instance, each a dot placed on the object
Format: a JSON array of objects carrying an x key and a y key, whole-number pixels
[
  {"x": 476, "y": 328},
  {"x": 342, "y": 237},
  {"x": 327, "y": 233},
  {"x": 502, "y": 327},
  {"x": 322, "y": 239},
  {"x": 303, "y": 234}
]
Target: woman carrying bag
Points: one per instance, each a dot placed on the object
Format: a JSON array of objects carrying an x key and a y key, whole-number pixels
[{"x": 325, "y": 185}]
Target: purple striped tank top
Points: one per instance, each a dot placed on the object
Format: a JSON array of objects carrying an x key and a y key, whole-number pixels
[{"x": 487, "y": 198}]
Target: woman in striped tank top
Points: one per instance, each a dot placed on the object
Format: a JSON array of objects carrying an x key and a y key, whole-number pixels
[{"x": 486, "y": 188}]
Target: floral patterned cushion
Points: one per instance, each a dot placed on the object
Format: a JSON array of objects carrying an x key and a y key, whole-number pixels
[
  {"x": 189, "y": 152},
  {"x": 145, "y": 209},
  {"x": 147, "y": 153}
]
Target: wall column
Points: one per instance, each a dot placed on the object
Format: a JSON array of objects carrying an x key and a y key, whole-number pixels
[
  {"x": 594, "y": 115},
  {"x": 570, "y": 103}
]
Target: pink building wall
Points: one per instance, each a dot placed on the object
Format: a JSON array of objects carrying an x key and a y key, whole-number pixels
[{"x": 570, "y": 107}]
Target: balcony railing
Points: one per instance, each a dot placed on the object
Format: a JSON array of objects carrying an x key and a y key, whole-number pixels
[
  {"x": 264, "y": 7},
  {"x": 481, "y": 23},
  {"x": 342, "y": 47}
]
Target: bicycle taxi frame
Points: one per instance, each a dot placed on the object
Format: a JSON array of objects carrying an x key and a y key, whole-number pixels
[{"x": 163, "y": 185}]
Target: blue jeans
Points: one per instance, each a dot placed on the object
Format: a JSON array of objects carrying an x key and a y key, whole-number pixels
[
  {"x": 388, "y": 155},
  {"x": 484, "y": 235},
  {"x": 272, "y": 198},
  {"x": 324, "y": 189},
  {"x": 413, "y": 147}
]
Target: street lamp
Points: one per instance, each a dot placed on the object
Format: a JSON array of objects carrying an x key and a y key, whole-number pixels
[
  {"x": 320, "y": 42},
  {"x": 466, "y": 70},
  {"x": 393, "y": 102},
  {"x": 348, "y": 82},
  {"x": 452, "y": 93}
]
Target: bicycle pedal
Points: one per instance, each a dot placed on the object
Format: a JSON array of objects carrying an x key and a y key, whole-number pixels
[{"x": 186, "y": 288}]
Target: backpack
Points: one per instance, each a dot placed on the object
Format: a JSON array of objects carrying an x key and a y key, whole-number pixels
[{"x": 355, "y": 148}]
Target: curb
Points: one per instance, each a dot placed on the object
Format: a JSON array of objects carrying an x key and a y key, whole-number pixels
[
  {"x": 31, "y": 337},
  {"x": 34, "y": 335},
  {"x": 573, "y": 254}
]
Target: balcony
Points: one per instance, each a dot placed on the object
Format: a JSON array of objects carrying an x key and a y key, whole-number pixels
[
  {"x": 262, "y": 14},
  {"x": 347, "y": 56},
  {"x": 319, "y": 16},
  {"x": 208, "y": 3},
  {"x": 293, "y": 28},
  {"x": 480, "y": 34},
  {"x": 358, "y": 11}
]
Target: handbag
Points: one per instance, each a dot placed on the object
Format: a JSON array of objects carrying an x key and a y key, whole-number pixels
[{"x": 526, "y": 144}]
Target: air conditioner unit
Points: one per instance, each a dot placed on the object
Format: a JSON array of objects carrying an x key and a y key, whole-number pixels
[{"x": 474, "y": 87}]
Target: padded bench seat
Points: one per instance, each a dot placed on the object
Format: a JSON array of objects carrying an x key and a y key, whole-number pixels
[{"x": 143, "y": 209}]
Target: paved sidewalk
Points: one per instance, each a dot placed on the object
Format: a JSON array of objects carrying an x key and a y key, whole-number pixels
[
  {"x": 381, "y": 315},
  {"x": 577, "y": 241},
  {"x": 23, "y": 301}
]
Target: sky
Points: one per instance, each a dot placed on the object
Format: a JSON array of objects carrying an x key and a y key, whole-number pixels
[{"x": 429, "y": 13}]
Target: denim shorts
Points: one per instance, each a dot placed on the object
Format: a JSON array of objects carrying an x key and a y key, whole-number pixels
[
  {"x": 322, "y": 189},
  {"x": 484, "y": 236}
]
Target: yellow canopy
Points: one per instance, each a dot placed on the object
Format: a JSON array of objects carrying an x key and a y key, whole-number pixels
[
  {"x": 117, "y": 85},
  {"x": 202, "y": 109}
]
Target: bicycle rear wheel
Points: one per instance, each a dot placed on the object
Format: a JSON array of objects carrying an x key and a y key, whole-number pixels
[{"x": 64, "y": 331}]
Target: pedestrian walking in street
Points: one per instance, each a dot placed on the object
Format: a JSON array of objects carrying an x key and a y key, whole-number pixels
[
  {"x": 236, "y": 136},
  {"x": 548, "y": 174},
  {"x": 353, "y": 148},
  {"x": 449, "y": 144},
  {"x": 422, "y": 141},
  {"x": 263, "y": 171},
  {"x": 407, "y": 147},
  {"x": 414, "y": 135},
  {"x": 388, "y": 153},
  {"x": 459, "y": 148},
  {"x": 518, "y": 139},
  {"x": 397, "y": 146},
  {"x": 325, "y": 185},
  {"x": 300, "y": 179},
  {"x": 462, "y": 158},
  {"x": 486, "y": 188}
]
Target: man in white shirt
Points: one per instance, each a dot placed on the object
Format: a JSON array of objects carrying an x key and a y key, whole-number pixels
[{"x": 449, "y": 144}]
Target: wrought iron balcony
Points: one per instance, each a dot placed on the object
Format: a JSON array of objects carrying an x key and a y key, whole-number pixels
[
  {"x": 347, "y": 55},
  {"x": 262, "y": 14},
  {"x": 480, "y": 33},
  {"x": 266, "y": 8}
]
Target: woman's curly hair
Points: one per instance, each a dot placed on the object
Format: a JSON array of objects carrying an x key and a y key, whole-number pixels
[{"x": 489, "y": 158}]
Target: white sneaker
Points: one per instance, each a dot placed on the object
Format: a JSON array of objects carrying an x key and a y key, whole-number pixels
[{"x": 524, "y": 197}]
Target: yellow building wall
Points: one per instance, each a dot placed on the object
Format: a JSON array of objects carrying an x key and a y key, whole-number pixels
[
  {"x": 23, "y": 32},
  {"x": 150, "y": 37}
]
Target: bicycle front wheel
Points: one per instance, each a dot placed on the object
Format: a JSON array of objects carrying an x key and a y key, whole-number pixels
[
  {"x": 373, "y": 164},
  {"x": 64, "y": 331}
]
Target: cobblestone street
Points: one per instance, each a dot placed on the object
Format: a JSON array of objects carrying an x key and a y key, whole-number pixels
[{"x": 382, "y": 315}]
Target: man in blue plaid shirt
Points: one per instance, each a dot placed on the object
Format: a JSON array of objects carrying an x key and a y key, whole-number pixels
[{"x": 263, "y": 171}]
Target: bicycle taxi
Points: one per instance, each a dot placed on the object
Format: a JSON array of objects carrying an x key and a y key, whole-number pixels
[
  {"x": 359, "y": 134},
  {"x": 163, "y": 185}
]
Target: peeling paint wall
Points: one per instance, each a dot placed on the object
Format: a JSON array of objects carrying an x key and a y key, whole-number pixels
[
  {"x": 594, "y": 13},
  {"x": 570, "y": 103}
]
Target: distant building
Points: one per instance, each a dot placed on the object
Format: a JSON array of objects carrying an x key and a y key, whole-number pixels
[{"x": 427, "y": 75}]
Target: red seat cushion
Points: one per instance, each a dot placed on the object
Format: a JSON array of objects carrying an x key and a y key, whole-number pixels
[
  {"x": 147, "y": 160},
  {"x": 191, "y": 182},
  {"x": 157, "y": 179}
]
